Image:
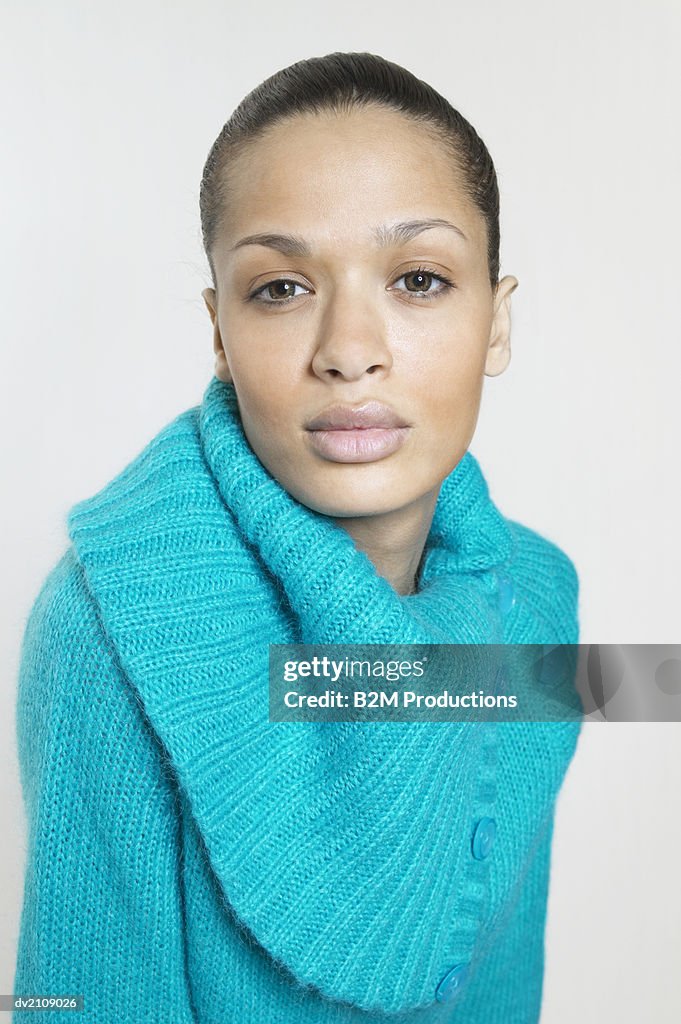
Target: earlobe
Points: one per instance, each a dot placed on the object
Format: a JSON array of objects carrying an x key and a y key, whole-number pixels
[
  {"x": 498, "y": 358},
  {"x": 499, "y": 349},
  {"x": 221, "y": 364}
]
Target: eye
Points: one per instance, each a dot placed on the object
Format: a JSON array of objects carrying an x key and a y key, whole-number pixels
[
  {"x": 423, "y": 277},
  {"x": 281, "y": 291},
  {"x": 277, "y": 292}
]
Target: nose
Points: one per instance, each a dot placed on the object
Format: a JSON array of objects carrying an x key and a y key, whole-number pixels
[{"x": 351, "y": 341}]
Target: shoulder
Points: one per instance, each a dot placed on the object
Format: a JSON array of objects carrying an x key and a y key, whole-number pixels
[
  {"x": 64, "y": 667},
  {"x": 72, "y": 689},
  {"x": 65, "y": 650},
  {"x": 62, "y": 612},
  {"x": 536, "y": 553},
  {"x": 547, "y": 581}
]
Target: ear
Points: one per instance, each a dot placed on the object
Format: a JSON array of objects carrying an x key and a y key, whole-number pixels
[
  {"x": 222, "y": 371},
  {"x": 499, "y": 349}
]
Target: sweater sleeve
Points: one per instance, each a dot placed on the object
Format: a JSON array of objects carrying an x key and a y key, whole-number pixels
[{"x": 102, "y": 903}]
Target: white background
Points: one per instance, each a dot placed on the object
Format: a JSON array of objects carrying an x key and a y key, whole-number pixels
[{"x": 108, "y": 113}]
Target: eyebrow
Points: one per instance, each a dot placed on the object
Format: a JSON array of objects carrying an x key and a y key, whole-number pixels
[{"x": 385, "y": 235}]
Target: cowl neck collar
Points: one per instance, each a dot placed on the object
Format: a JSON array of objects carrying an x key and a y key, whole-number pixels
[
  {"x": 313, "y": 558},
  {"x": 334, "y": 843}
]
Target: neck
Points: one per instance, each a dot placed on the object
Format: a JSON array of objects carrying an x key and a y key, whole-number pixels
[{"x": 394, "y": 541}]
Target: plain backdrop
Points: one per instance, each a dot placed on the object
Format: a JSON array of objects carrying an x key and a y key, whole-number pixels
[{"x": 108, "y": 113}]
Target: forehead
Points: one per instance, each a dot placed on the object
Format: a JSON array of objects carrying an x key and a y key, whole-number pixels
[{"x": 345, "y": 170}]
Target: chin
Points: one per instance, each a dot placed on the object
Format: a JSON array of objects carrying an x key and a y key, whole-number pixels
[{"x": 347, "y": 506}]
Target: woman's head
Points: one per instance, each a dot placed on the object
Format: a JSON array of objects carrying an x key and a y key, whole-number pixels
[
  {"x": 385, "y": 289},
  {"x": 340, "y": 82}
]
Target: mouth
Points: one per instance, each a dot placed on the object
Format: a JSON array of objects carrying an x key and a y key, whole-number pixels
[{"x": 364, "y": 433}]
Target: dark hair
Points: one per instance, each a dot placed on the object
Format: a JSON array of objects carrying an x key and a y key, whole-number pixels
[{"x": 339, "y": 82}]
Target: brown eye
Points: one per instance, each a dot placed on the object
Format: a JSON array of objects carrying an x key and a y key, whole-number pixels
[
  {"x": 419, "y": 283},
  {"x": 421, "y": 278},
  {"x": 277, "y": 293},
  {"x": 280, "y": 289}
]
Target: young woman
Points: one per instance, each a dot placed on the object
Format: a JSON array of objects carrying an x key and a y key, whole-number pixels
[{"x": 188, "y": 858}]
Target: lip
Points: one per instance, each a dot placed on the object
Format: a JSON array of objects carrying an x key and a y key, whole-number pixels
[
  {"x": 356, "y": 417},
  {"x": 361, "y": 433}
]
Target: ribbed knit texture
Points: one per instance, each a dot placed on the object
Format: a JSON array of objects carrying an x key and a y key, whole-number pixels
[{"x": 190, "y": 861}]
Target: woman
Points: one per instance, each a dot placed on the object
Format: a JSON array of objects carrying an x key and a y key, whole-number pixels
[{"x": 189, "y": 859}]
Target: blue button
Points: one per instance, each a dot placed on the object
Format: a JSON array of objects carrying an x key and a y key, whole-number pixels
[
  {"x": 506, "y": 593},
  {"x": 451, "y": 983},
  {"x": 483, "y": 837}
]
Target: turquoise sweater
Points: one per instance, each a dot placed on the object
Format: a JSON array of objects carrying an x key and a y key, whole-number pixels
[{"x": 190, "y": 861}]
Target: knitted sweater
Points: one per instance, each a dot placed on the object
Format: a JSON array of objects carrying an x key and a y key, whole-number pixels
[{"x": 190, "y": 861}]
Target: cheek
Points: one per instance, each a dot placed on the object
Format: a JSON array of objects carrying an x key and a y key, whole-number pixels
[
  {"x": 450, "y": 401},
  {"x": 259, "y": 396},
  {"x": 449, "y": 352},
  {"x": 256, "y": 354},
  {"x": 264, "y": 377},
  {"x": 453, "y": 380},
  {"x": 267, "y": 421}
]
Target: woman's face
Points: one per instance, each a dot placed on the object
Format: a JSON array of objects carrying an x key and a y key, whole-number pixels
[{"x": 357, "y": 304}]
